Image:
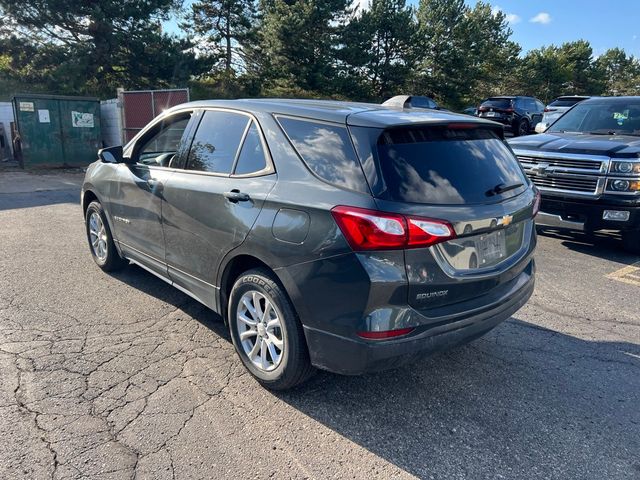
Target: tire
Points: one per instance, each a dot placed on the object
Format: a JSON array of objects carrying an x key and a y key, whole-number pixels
[
  {"x": 274, "y": 367},
  {"x": 522, "y": 128},
  {"x": 101, "y": 246},
  {"x": 631, "y": 241}
]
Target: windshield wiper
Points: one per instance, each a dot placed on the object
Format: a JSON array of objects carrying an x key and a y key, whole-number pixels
[
  {"x": 608, "y": 132},
  {"x": 501, "y": 188}
]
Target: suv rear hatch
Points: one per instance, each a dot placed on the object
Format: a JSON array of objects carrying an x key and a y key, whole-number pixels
[
  {"x": 462, "y": 174},
  {"x": 496, "y": 108}
]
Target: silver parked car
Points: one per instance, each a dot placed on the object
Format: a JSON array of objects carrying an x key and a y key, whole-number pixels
[{"x": 555, "y": 109}]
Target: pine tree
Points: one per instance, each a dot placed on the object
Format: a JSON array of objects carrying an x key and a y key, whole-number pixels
[
  {"x": 296, "y": 53},
  {"x": 92, "y": 46},
  {"x": 378, "y": 48},
  {"x": 223, "y": 26}
]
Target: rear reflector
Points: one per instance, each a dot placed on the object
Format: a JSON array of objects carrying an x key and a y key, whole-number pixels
[
  {"x": 385, "y": 334},
  {"x": 372, "y": 230}
]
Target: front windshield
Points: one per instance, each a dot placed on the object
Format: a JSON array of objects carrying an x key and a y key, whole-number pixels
[{"x": 604, "y": 118}]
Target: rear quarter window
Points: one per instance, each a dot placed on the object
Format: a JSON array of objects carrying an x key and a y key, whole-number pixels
[
  {"x": 437, "y": 165},
  {"x": 327, "y": 151}
]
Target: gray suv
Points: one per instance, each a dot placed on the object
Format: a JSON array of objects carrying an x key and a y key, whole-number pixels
[{"x": 343, "y": 236}]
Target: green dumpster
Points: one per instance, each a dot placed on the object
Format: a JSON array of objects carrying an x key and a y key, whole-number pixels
[{"x": 57, "y": 131}]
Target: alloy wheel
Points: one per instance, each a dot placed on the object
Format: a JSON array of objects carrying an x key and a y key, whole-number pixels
[
  {"x": 260, "y": 330},
  {"x": 98, "y": 236}
]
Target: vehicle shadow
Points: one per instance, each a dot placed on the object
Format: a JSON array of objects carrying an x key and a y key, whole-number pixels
[
  {"x": 12, "y": 201},
  {"x": 521, "y": 402},
  {"x": 605, "y": 245},
  {"x": 140, "y": 279}
]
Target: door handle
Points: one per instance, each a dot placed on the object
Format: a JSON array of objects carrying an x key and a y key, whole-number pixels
[
  {"x": 235, "y": 196},
  {"x": 155, "y": 184}
]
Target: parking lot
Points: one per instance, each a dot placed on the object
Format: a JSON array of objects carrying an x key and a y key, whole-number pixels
[{"x": 122, "y": 376}]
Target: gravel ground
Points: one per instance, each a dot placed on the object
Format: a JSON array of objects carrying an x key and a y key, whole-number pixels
[{"x": 122, "y": 376}]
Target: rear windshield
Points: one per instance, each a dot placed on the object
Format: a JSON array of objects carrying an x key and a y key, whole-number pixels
[
  {"x": 497, "y": 103},
  {"x": 565, "y": 102},
  {"x": 439, "y": 165}
]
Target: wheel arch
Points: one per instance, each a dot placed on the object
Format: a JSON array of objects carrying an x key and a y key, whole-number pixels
[
  {"x": 236, "y": 266},
  {"x": 88, "y": 196}
]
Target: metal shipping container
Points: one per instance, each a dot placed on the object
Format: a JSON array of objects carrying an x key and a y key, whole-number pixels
[{"x": 57, "y": 131}]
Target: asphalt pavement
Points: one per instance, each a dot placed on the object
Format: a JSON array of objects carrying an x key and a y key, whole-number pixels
[{"x": 122, "y": 376}]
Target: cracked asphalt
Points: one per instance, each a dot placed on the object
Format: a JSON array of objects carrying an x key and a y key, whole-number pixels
[{"x": 122, "y": 376}]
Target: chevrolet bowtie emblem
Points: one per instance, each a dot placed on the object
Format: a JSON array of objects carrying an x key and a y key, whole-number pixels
[
  {"x": 505, "y": 221},
  {"x": 541, "y": 169}
]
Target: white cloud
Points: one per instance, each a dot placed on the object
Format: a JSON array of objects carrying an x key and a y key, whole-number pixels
[
  {"x": 511, "y": 18},
  {"x": 543, "y": 17},
  {"x": 362, "y": 4}
]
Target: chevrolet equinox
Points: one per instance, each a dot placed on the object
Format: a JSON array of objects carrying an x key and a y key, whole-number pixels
[{"x": 343, "y": 236}]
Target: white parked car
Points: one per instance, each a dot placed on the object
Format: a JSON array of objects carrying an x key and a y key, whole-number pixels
[{"x": 555, "y": 109}]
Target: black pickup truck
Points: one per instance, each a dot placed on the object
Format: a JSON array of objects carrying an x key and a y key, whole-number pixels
[{"x": 587, "y": 167}]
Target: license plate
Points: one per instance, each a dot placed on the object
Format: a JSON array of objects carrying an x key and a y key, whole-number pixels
[
  {"x": 491, "y": 248},
  {"x": 492, "y": 114}
]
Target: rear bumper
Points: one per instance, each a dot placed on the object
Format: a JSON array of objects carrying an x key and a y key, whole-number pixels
[
  {"x": 586, "y": 215},
  {"x": 506, "y": 121},
  {"x": 353, "y": 357}
]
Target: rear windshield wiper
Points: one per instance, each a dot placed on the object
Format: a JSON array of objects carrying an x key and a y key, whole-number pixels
[{"x": 501, "y": 188}]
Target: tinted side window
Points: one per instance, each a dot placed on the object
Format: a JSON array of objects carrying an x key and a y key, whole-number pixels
[
  {"x": 327, "y": 151},
  {"x": 539, "y": 106},
  {"x": 216, "y": 142},
  {"x": 251, "y": 157}
]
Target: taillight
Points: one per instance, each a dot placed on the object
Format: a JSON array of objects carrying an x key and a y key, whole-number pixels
[
  {"x": 536, "y": 203},
  {"x": 509, "y": 110},
  {"x": 385, "y": 334},
  {"x": 372, "y": 230},
  {"x": 549, "y": 110}
]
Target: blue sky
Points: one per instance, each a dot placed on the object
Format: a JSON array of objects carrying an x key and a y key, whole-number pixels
[{"x": 605, "y": 24}]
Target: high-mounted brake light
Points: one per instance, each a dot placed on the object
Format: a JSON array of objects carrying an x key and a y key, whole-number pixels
[
  {"x": 372, "y": 230},
  {"x": 462, "y": 126}
]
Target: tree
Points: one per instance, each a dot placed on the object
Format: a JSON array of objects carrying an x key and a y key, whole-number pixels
[
  {"x": 92, "y": 46},
  {"x": 378, "y": 48},
  {"x": 491, "y": 58},
  {"x": 551, "y": 71},
  {"x": 621, "y": 73},
  {"x": 542, "y": 74},
  {"x": 296, "y": 46},
  {"x": 222, "y": 25},
  {"x": 577, "y": 60},
  {"x": 463, "y": 51}
]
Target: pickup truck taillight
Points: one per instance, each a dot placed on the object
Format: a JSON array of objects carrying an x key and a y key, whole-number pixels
[{"x": 373, "y": 230}]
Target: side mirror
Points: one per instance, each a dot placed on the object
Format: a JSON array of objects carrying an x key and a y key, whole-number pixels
[{"x": 111, "y": 155}]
